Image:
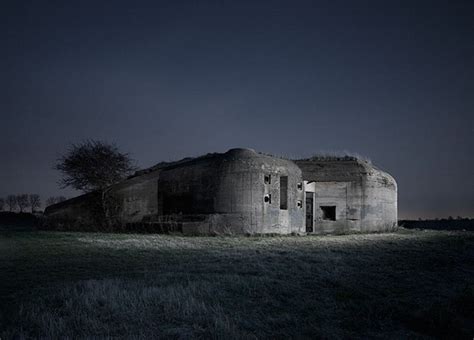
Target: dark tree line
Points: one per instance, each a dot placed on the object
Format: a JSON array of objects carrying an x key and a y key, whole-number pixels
[
  {"x": 449, "y": 218},
  {"x": 91, "y": 167},
  {"x": 23, "y": 202}
]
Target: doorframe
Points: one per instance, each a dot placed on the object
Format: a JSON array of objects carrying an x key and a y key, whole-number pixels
[{"x": 310, "y": 186}]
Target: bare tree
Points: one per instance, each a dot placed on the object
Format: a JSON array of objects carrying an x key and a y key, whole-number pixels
[
  {"x": 2, "y": 204},
  {"x": 35, "y": 202},
  {"x": 93, "y": 166},
  {"x": 50, "y": 201},
  {"x": 22, "y": 201},
  {"x": 11, "y": 202},
  {"x": 55, "y": 199}
]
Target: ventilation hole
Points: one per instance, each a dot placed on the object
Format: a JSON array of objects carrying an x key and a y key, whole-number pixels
[{"x": 267, "y": 179}]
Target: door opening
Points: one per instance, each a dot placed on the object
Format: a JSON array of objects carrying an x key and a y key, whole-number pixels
[{"x": 309, "y": 212}]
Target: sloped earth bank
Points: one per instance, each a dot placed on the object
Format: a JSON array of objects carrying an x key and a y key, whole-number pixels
[{"x": 411, "y": 283}]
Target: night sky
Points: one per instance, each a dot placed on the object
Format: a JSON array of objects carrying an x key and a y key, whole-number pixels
[{"x": 393, "y": 81}]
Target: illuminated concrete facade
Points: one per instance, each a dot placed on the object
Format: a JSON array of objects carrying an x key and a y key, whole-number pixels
[{"x": 245, "y": 192}]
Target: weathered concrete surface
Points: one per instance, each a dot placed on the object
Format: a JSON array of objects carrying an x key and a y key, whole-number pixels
[
  {"x": 365, "y": 197},
  {"x": 227, "y": 191},
  {"x": 75, "y": 213},
  {"x": 138, "y": 196},
  {"x": 242, "y": 191}
]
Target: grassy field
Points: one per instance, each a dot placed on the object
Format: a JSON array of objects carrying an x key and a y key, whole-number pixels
[{"x": 410, "y": 283}]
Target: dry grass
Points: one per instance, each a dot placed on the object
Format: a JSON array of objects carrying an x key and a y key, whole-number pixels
[{"x": 406, "y": 284}]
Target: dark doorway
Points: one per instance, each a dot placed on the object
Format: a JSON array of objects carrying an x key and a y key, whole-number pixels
[
  {"x": 309, "y": 212},
  {"x": 284, "y": 192}
]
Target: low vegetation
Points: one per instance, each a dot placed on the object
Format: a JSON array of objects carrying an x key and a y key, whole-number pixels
[{"x": 410, "y": 283}]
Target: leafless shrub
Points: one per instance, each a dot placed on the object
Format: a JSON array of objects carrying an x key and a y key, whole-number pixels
[
  {"x": 55, "y": 199},
  {"x": 34, "y": 201},
  {"x": 22, "y": 201},
  {"x": 93, "y": 166},
  {"x": 50, "y": 201},
  {"x": 11, "y": 202}
]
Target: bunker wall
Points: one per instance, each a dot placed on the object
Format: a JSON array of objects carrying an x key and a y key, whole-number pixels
[
  {"x": 229, "y": 193},
  {"x": 364, "y": 198},
  {"x": 136, "y": 197}
]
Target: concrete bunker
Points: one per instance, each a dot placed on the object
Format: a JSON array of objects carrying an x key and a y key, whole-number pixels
[{"x": 245, "y": 192}]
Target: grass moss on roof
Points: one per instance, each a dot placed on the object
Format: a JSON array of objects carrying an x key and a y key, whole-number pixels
[{"x": 319, "y": 157}]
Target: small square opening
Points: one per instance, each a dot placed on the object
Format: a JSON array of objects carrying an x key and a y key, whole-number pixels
[
  {"x": 267, "y": 179},
  {"x": 268, "y": 198},
  {"x": 329, "y": 212},
  {"x": 299, "y": 186}
]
